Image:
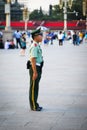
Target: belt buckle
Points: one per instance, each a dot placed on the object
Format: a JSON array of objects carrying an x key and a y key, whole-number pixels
[{"x": 38, "y": 64}]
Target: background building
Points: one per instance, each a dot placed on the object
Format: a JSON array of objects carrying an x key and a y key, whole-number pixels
[{"x": 16, "y": 11}]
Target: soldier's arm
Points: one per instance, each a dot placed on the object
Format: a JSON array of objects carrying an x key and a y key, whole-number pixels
[{"x": 33, "y": 63}]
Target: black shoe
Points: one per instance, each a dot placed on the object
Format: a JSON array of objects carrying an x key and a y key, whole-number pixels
[
  {"x": 37, "y": 109},
  {"x": 41, "y": 107}
]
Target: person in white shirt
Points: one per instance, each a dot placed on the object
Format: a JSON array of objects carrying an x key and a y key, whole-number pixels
[
  {"x": 60, "y": 38},
  {"x": 7, "y": 43}
]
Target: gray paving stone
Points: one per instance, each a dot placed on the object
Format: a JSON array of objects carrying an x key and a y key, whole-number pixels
[{"x": 63, "y": 90}]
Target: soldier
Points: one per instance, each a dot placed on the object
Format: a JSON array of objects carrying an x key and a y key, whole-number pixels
[{"x": 35, "y": 71}]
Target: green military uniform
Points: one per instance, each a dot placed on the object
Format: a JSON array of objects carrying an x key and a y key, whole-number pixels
[{"x": 35, "y": 52}]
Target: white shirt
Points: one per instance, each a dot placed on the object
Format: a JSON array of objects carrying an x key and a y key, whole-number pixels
[
  {"x": 17, "y": 34},
  {"x": 60, "y": 36},
  {"x": 7, "y": 45}
]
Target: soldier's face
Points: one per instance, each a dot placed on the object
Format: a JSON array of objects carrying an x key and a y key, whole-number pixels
[{"x": 39, "y": 38}]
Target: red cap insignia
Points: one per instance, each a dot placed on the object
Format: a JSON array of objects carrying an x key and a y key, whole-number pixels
[{"x": 35, "y": 44}]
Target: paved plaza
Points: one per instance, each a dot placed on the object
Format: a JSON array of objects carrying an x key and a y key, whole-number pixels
[{"x": 62, "y": 93}]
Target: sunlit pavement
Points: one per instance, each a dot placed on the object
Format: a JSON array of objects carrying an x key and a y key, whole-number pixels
[{"x": 63, "y": 89}]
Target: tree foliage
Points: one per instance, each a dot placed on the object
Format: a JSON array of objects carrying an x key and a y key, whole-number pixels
[
  {"x": 55, "y": 13},
  {"x": 77, "y": 6}
]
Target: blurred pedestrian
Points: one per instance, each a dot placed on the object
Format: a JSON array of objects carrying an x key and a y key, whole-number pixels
[
  {"x": 75, "y": 38},
  {"x": 80, "y": 37},
  {"x": 7, "y": 43},
  {"x": 23, "y": 44},
  {"x": 11, "y": 45},
  {"x": 60, "y": 38},
  {"x": 1, "y": 34},
  {"x": 18, "y": 37},
  {"x": 85, "y": 37}
]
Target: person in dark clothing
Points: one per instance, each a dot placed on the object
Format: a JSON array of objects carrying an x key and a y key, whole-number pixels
[
  {"x": 75, "y": 39},
  {"x": 18, "y": 37}
]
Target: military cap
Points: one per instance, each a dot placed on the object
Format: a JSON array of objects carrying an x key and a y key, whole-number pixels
[{"x": 36, "y": 32}]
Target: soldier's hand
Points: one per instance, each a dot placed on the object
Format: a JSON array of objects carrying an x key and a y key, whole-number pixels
[{"x": 35, "y": 74}]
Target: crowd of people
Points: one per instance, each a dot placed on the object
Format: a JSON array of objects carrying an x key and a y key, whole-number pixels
[
  {"x": 20, "y": 38},
  {"x": 9, "y": 44},
  {"x": 74, "y": 37}
]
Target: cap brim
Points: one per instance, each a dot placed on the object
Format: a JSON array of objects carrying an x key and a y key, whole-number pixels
[{"x": 38, "y": 34}]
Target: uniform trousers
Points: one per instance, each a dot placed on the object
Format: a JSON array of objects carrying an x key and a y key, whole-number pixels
[{"x": 34, "y": 88}]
